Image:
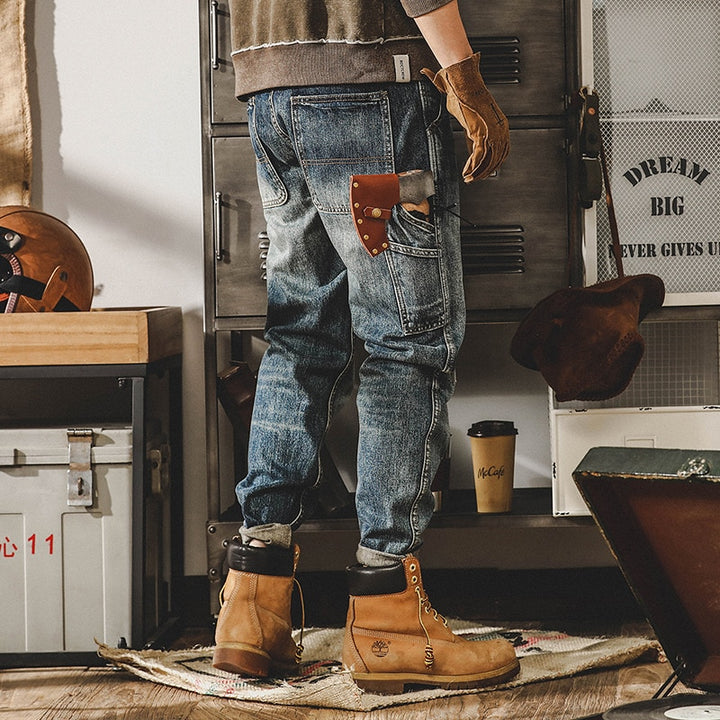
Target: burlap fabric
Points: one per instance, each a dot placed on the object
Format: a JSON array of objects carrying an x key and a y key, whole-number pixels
[
  {"x": 322, "y": 681},
  {"x": 15, "y": 125}
]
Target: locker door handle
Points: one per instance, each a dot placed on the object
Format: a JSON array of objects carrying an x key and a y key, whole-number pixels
[
  {"x": 217, "y": 229},
  {"x": 214, "y": 55}
]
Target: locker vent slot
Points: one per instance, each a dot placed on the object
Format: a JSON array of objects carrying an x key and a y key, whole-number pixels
[
  {"x": 500, "y": 59},
  {"x": 493, "y": 249}
]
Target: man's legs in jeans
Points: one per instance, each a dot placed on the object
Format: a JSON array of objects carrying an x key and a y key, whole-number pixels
[{"x": 407, "y": 307}]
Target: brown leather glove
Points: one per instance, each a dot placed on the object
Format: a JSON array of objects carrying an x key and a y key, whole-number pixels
[{"x": 486, "y": 126}]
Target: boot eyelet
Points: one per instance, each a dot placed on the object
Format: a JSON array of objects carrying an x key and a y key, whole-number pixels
[
  {"x": 412, "y": 567},
  {"x": 413, "y": 579}
]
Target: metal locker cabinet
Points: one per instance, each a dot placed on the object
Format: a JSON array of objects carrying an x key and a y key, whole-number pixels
[
  {"x": 224, "y": 107},
  {"x": 515, "y": 225},
  {"x": 523, "y": 53},
  {"x": 238, "y": 224}
]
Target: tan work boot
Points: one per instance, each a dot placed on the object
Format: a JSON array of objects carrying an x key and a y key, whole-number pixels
[
  {"x": 393, "y": 637},
  {"x": 254, "y": 628}
]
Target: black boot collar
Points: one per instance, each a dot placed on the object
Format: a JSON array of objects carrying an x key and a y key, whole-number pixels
[
  {"x": 364, "y": 580},
  {"x": 268, "y": 560}
]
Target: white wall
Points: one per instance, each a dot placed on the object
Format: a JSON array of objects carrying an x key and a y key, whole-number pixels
[
  {"x": 491, "y": 386},
  {"x": 116, "y": 118}
]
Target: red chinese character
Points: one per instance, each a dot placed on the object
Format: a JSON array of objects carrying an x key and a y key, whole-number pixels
[{"x": 6, "y": 548}]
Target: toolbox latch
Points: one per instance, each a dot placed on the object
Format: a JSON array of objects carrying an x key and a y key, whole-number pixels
[
  {"x": 697, "y": 465},
  {"x": 159, "y": 459},
  {"x": 80, "y": 474}
]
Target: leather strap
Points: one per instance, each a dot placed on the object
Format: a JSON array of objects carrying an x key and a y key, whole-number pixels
[
  {"x": 591, "y": 106},
  {"x": 614, "y": 234},
  {"x": 590, "y": 184},
  {"x": 34, "y": 289}
]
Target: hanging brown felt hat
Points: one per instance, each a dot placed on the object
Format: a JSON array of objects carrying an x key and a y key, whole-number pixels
[{"x": 585, "y": 341}]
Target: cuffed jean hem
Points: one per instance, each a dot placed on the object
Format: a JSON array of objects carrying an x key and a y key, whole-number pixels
[
  {"x": 376, "y": 558},
  {"x": 271, "y": 534}
]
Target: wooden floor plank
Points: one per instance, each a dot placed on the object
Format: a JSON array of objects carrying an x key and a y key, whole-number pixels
[
  {"x": 108, "y": 694},
  {"x": 89, "y": 694},
  {"x": 104, "y": 693},
  {"x": 32, "y": 692}
]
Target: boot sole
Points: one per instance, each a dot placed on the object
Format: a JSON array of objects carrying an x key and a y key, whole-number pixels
[
  {"x": 394, "y": 683},
  {"x": 241, "y": 659}
]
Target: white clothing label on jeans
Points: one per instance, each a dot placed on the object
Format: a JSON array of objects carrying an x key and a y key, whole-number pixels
[{"x": 402, "y": 68}]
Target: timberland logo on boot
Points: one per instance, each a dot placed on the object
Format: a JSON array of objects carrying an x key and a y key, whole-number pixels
[{"x": 380, "y": 648}]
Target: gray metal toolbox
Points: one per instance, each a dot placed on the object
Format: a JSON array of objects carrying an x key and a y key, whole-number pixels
[{"x": 65, "y": 538}]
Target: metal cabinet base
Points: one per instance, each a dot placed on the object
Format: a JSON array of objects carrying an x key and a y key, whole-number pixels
[{"x": 529, "y": 538}]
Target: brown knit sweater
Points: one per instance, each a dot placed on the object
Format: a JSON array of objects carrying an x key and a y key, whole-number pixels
[{"x": 289, "y": 43}]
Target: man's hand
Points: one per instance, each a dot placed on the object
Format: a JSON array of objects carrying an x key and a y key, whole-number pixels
[{"x": 486, "y": 126}]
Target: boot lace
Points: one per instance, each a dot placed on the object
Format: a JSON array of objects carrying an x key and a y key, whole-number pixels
[
  {"x": 299, "y": 647},
  {"x": 425, "y": 608}
]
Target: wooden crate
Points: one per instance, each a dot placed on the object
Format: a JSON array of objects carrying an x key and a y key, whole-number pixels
[{"x": 99, "y": 337}]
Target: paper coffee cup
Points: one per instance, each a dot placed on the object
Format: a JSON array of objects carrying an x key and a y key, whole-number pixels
[{"x": 492, "y": 443}]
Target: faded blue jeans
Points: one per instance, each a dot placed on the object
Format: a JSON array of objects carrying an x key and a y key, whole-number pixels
[{"x": 406, "y": 305}]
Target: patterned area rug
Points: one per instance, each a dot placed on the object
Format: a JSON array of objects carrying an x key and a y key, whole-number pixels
[
  {"x": 15, "y": 126},
  {"x": 322, "y": 682}
]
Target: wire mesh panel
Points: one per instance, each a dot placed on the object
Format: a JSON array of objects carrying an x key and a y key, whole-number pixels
[
  {"x": 657, "y": 56},
  {"x": 664, "y": 176},
  {"x": 657, "y": 73},
  {"x": 680, "y": 368}
]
